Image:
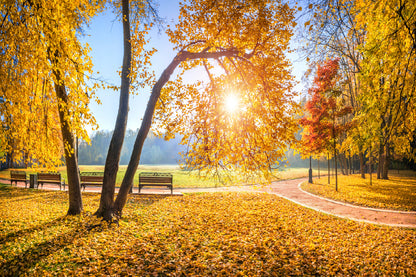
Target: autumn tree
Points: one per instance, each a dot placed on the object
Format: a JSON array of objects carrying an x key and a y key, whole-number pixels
[
  {"x": 324, "y": 124},
  {"x": 134, "y": 70},
  {"x": 241, "y": 45},
  {"x": 43, "y": 82},
  {"x": 330, "y": 30},
  {"x": 388, "y": 77}
]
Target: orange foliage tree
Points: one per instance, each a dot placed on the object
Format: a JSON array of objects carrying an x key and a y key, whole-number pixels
[{"x": 242, "y": 47}]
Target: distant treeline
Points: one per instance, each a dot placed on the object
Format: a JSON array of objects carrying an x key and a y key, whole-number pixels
[{"x": 155, "y": 150}]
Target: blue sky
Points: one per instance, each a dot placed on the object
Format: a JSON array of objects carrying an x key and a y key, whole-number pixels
[{"x": 105, "y": 37}]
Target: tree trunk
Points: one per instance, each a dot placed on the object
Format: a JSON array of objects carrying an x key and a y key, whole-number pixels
[
  {"x": 386, "y": 162},
  {"x": 329, "y": 169},
  {"x": 380, "y": 161},
  {"x": 74, "y": 188},
  {"x": 141, "y": 136},
  {"x": 105, "y": 209},
  {"x": 362, "y": 170}
]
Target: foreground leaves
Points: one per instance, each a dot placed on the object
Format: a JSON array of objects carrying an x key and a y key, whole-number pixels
[
  {"x": 204, "y": 234},
  {"x": 397, "y": 193}
]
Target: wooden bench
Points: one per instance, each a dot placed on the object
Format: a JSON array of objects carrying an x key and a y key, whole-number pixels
[
  {"x": 50, "y": 178},
  {"x": 155, "y": 179},
  {"x": 91, "y": 179},
  {"x": 18, "y": 176}
]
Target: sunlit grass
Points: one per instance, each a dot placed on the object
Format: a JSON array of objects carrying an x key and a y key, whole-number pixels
[
  {"x": 181, "y": 178},
  {"x": 227, "y": 234},
  {"x": 399, "y": 192}
]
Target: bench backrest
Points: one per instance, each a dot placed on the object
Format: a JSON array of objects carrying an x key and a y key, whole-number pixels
[
  {"x": 96, "y": 177},
  {"x": 155, "y": 178},
  {"x": 49, "y": 176},
  {"x": 18, "y": 175}
]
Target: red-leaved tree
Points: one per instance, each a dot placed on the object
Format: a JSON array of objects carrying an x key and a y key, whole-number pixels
[{"x": 325, "y": 108}]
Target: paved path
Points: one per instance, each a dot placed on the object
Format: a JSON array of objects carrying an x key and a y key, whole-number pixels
[{"x": 290, "y": 189}]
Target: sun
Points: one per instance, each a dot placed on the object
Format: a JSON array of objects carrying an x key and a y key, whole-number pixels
[{"x": 231, "y": 103}]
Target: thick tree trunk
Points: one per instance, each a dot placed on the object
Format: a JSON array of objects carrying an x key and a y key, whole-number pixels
[
  {"x": 74, "y": 188},
  {"x": 362, "y": 169},
  {"x": 105, "y": 209}
]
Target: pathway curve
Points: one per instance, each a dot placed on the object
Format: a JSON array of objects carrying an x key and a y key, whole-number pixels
[{"x": 290, "y": 190}]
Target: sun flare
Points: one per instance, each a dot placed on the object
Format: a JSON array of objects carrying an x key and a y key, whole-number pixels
[{"x": 232, "y": 103}]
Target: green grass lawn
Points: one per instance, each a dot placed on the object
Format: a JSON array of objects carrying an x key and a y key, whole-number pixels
[
  {"x": 181, "y": 178},
  {"x": 228, "y": 234},
  {"x": 399, "y": 192}
]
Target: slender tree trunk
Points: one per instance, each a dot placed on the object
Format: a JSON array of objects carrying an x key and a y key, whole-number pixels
[
  {"x": 329, "y": 169},
  {"x": 386, "y": 162},
  {"x": 141, "y": 136},
  {"x": 380, "y": 161},
  {"x": 105, "y": 209},
  {"x": 371, "y": 167},
  {"x": 362, "y": 170},
  {"x": 74, "y": 188}
]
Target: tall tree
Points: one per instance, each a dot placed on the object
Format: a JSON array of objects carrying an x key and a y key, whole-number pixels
[
  {"x": 388, "y": 76},
  {"x": 323, "y": 124},
  {"x": 330, "y": 30},
  {"x": 246, "y": 42},
  {"x": 132, "y": 65},
  {"x": 44, "y": 61}
]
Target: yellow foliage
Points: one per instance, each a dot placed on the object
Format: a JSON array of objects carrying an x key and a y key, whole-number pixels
[
  {"x": 39, "y": 42},
  {"x": 226, "y": 234}
]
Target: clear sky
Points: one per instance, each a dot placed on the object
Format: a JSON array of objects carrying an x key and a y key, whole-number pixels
[{"x": 105, "y": 37}]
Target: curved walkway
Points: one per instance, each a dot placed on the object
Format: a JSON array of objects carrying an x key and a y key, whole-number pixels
[{"x": 290, "y": 190}]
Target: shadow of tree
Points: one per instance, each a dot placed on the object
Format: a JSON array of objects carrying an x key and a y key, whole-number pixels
[{"x": 21, "y": 263}]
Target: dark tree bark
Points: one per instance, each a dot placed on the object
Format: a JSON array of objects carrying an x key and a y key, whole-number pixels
[
  {"x": 105, "y": 209},
  {"x": 362, "y": 170},
  {"x": 386, "y": 162},
  {"x": 329, "y": 169},
  {"x": 74, "y": 188},
  {"x": 380, "y": 161}
]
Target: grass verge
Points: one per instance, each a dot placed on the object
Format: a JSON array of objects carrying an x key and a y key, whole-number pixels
[{"x": 397, "y": 193}]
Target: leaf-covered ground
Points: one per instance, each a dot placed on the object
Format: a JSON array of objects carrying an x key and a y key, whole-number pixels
[
  {"x": 398, "y": 193},
  {"x": 225, "y": 234}
]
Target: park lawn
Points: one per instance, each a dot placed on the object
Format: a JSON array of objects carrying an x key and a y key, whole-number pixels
[
  {"x": 204, "y": 234},
  {"x": 398, "y": 193},
  {"x": 181, "y": 178}
]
